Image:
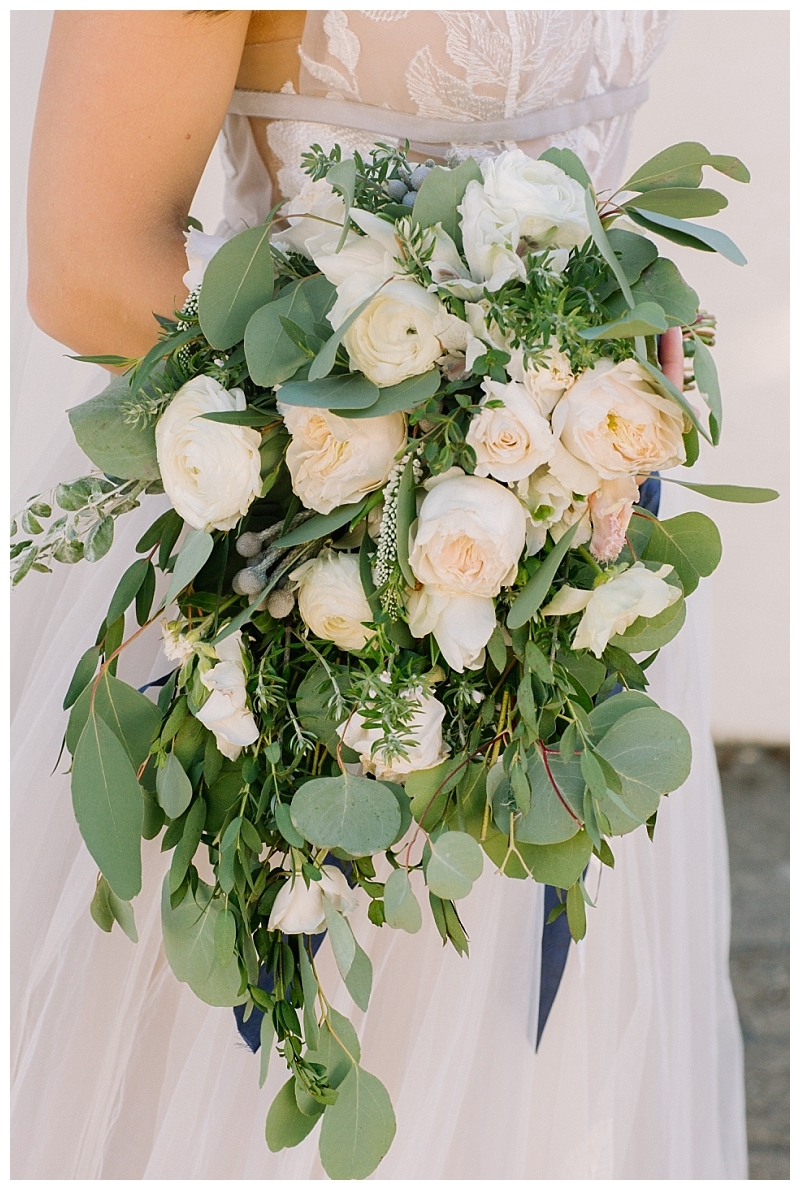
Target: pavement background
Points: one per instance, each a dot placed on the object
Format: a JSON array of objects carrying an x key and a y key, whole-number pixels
[{"x": 755, "y": 789}]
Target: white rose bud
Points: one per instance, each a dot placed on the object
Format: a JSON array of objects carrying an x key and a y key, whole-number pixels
[
  {"x": 470, "y": 534},
  {"x": 425, "y": 750},
  {"x": 177, "y": 644},
  {"x": 398, "y": 335},
  {"x": 521, "y": 204},
  {"x": 614, "y": 605},
  {"x": 210, "y": 471},
  {"x": 331, "y": 599},
  {"x": 337, "y": 460},
  {"x": 510, "y": 442},
  {"x": 299, "y": 907},
  {"x": 546, "y": 382},
  {"x": 226, "y": 713},
  {"x": 614, "y": 422},
  {"x": 460, "y": 624}
]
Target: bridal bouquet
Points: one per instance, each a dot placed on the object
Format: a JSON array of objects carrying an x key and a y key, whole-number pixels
[{"x": 406, "y": 586}]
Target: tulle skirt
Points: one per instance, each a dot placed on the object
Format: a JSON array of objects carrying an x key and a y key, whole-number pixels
[{"x": 119, "y": 1072}]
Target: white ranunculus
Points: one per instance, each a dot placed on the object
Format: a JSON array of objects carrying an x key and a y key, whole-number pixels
[
  {"x": 426, "y": 750},
  {"x": 226, "y": 713},
  {"x": 200, "y": 248},
  {"x": 510, "y": 442},
  {"x": 546, "y": 383},
  {"x": 399, "y": 333},
  {"x": 522, "y": 205},
  {"x": 611, "y": 508},
  {"x": 363, "y": 265},
  {"x": 469, "y": 537},
  {"x": 614, "y": 605},
  {"x": 210, "y": 471},
  {"x": 614, "y": 422},
  {"x": 300, "y": 908},
  {"x": 331, "y": 599},
  {"x": 460, "y": 624},
  {"x": 318, "y": 231},
  {"x": 338, "y": 460}
]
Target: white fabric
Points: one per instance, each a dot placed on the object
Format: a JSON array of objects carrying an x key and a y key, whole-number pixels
[{"x": 119, "y": 1072}]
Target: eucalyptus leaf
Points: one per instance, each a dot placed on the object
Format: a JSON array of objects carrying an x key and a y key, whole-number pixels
[
  {"x": 286, "y": 1124},
  {"x": 665, "y": 385},
  {"x": 634, "y": 253},
  {"x": 607, "y": 713},
  {"x": 730, "y": 492},
  {"x": 338, "y": 1050},
  {"x": 682, "y": 202},
  {"x": 286, "y": 827},
  {"x": 267, "y": 1038},
  {"x": 429, "y": 790},
  {"x": 195, "y": 552},
  {"x": 321, "y": 525},
  {"x": 705, "y": 374},
  {"x": 646, "y": 318},
  {"x": 604, "y": 247},
  {"x": 341, "y": 937},
  {"x": 173, "y": 787},
  {"x": 455, "y": 864},
  {"x": 129, "y": 714},
  {"x": 356, "y": 814},
  {"x": 533, "y": 594},
  {"x": 679, "y": 165},
  {"x": 689, "y": 542},
  {"x": 189, "y": 932},
  {"x": 225, "y": 937},
  {"x": 646, "y": 634},
  {"x": 440, "y": 195},
  {"x": 652, "y": 754},
  {"x": 692, "y": 235},
  {"x": 238, "y": 281},
  {"x": 406, "y": 512},
  {"x": 402, "y": 907},
  {"x": 548, "y": 820},
  {"x": 399, "y": 398},
  {"x": 126, "y": 589},
  {"x": 359, "y": 978},
  {"x": 272, "y": 356},
  {"x": 113, "y": 444},
  {"x": 187, "y": 845},
  {"x": 342, "y": 177},
  {"x": 324, "y": 361},
  {"x": 570, "y": 163},
  {"x": 358, "y": 1129},
  {"x": 107, "y": 801},
  {"x": 84, "y": 672},
  {"x": 351, "y": 391},
  {"x": 310, "y": 994},
  {"x": 661, "y": 283}
]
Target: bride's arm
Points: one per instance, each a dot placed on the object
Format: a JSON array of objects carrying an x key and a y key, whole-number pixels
[{"x": 130, "y": 107}]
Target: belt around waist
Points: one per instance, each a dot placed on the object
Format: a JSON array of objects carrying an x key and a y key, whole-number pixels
[{"x": 434, "y": 132}]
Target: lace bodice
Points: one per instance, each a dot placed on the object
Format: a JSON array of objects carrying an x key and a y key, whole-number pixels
[{"x": 461, "y": 66}]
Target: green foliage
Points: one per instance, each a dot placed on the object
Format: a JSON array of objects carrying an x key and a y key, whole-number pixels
[
  {"x": 111, "y": 442},
  {"x": 646, "y": 318},
  {"x": 131, "y": 716},
  {"x": 356, "y": 814},
  {"x": 682, "y": 165},
  {"x": 401, "y": 906},
  {"x": 350, "y": 391},
  {"x": 441, "y": 193},
  {"x": 682, "y": 202},
  {"x": 691, "y": 235},
  {"x": 399, "y": 398},
  {"x": 454, "y": 865},
  {"x": 358, "y": 1129},
  {"x": 107, "y": 907},
  {"x": 173, "y": 787},
  {"x": 570, "y": 163},
  {"x": 286, "y": 1124},
  {"x": 646, "y": 634},
  {"x": 689, "y": 542},
  {"x": 188, "y": 932},
  {"x": 651, "y": 751},
  {"x": 194, "y": 553},
  {"x": 534, "y": 592},
  {"x": 237, "y": 282}
]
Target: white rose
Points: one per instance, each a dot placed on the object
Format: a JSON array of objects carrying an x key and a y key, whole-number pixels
[
  {"x": 611, "y": 508},
  {"x": 331, "y": 599},
  {"x": 225, "y": 713},
  {"x": 200, "y": 249},
  {"x": 546, "y": 382},
  {"x": 510, "y": 442},
  {"x": 318, "y": 231},
  {"x": 547, "y": 500},
  {"x": 398, "y": 335},
  {"x": 210, "y": 471},
  {"x": 300, "y": 908},
  {"x": 522, "y": 205},
  {"x": 361, "y": 267},
  {"x": 613, "y": 606},
  {"x": 613, "y": 421},
  {"x": 425, "y": 750},
  {"x": 338, "y": 460},
  {"x": 460, "y": 624},
  {"x": 469, "y": 537}
]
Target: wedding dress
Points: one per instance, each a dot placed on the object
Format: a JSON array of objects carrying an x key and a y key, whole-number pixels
[{"x": 120, "y": 1072}]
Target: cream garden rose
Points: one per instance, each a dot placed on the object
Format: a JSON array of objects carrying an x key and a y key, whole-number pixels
[
  {"x": 469, "y": 537},
  {"x": 299, "y": 908},
  {"x": 331, "y": 599},
  {"x": 226, "y": 713},
  {"x": 614, "y": 422},
  {"x": 547, "y": 381},
  {"x": 460, "y": 624},
  {"x": 521, "y": 204},
  {"x": 336, "y": 460},
  {"x": 425, "y": 750},
  {"x": 210, "y": 471},
  {"x": 614, "y": 605},
  {"x": 512, "y": 441},
  {"x": 316, "y": 219}
]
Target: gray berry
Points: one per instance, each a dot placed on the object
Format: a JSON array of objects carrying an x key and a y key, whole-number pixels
[
  {"x": 419, "y": 175},
  {"x": 396, "y": 189},
  {"x": 410, "y": 198}
]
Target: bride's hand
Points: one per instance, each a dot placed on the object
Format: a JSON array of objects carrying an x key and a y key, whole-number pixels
[
  {"x": 130, "y": 107},
  {"x": 670, "y": 355}
]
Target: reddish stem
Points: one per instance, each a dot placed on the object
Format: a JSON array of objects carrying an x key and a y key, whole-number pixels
[{"x": 555, "y": 787}]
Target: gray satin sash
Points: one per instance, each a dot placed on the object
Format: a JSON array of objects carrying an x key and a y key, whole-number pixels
[{"x": 434, "y": 134}]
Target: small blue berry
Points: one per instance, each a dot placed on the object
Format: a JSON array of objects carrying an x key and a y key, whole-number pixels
[{"x": 410, "y": 198}]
